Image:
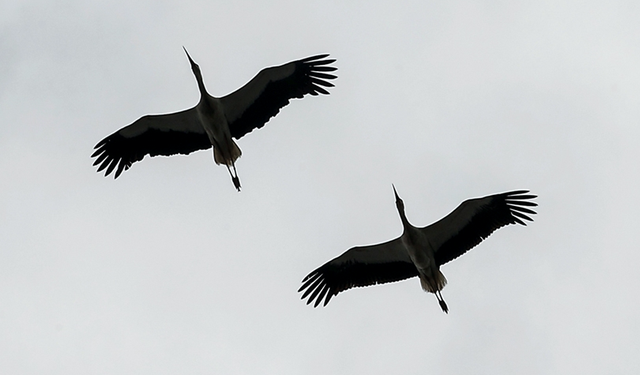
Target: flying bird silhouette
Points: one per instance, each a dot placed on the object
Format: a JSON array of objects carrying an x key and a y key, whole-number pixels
[
  {"x": 419, "y": 251},
  {"x": 215, "y": 121}
]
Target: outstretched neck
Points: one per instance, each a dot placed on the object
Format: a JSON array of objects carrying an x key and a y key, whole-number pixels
[
  {"x": 403, "y": 216},
  {"x": 400, "y": 207},
  {"x": 197, "y": 73},
  {"x": 203, "y": 90}
]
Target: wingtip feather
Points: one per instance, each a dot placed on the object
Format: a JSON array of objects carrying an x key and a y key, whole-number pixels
[
  {"x": 518, "y": 221},
  {"x": 521, "y": 203},
  {"x": 322, "y": 75},
  {"x": 100, "y": 159},
  {"x": 320, "y": 297},
  {"x": 102, "y": 142},
  {"x": 323, "y": 62},
  {"x": 328, "y": 298},
  {"x": 522, "y": 209},
  {"x": 315, "y": 57},
  {"x": 322, "y": 82},
  {"x": 103, "y": 165},
  {"x": 120, "y": 169},
  {"x": 520, "y": 215},
  {"x": 323, "y": 69},
  {"x": 112, "y": 165},
  {"x": 318, "y": 89}
]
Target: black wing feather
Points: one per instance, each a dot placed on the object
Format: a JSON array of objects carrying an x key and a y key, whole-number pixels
[
  {"x": 358, "y": 267},
  {"x": 306, "y": 78},
  {"x": 150, "y": 135},
  {"x": 494, "y": 212}
]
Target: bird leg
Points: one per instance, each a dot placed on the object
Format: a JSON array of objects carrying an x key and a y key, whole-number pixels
[
  {"x": 443, "y": 305},
  {"x": 234, "y": 178}
]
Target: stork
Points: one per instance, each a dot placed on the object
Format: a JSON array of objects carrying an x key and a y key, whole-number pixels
[
  {"x": 215, "y": 121},
  {"x": 419, "y": 251}
]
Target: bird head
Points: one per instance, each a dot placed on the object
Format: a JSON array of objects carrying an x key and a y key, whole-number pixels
[
  {"x": 399, "y": 202},
  {"x": 194, "y": 66},
  {"x": 196, "y": 70}
]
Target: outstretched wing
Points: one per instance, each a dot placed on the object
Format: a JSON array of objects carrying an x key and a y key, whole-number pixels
[
  {"x": 474, "y": 220},
  {"x": 252, "y": 105},
  {"x": 170, "y": 134},
  {"x": 359, "y": 266}
]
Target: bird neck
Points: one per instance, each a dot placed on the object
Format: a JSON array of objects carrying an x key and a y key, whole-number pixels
[
  {"x": 203, "y": 90},
  {"x": 403, "y": 218}
]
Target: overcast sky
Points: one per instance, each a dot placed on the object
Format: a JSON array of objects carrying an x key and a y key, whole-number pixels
[{"x": 169, "y": 270}]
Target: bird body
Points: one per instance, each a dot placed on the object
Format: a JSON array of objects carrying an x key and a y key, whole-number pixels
[
  {"x": 418, "y": 251},
  {"x": 211, "y": 114},
  {"x": 212, "y": 117},
  {"x": 422, "y": 254},
  {"x": 423, "y": 257},
  {"x": 214, "y": 122}
]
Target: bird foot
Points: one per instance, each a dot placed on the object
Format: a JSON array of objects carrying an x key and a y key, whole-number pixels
[
  {"x": 443, "y": 306},
  {"x": 236, "y": 182}
]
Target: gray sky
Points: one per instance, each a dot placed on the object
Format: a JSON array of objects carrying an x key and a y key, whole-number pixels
[{"x": 169, "y": 270}]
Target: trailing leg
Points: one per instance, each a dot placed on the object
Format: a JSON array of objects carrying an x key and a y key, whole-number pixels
[
  {"x": 443, "y": 305},
  {"x": 234, "y": 176}
]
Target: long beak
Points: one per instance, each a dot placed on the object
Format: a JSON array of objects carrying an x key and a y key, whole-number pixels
[
  {"x": 189, "y": 57},
  {"x": 395, "y": 192}
]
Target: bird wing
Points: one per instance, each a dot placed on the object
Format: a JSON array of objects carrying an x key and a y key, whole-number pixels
[
  {"x": 359, "y": 266},
  {"x": 252, "y": 105},
  {"x": 169, "y": 134},
  {"x": 474, "y": 220}
]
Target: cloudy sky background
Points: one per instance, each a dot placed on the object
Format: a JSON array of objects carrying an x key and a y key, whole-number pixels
[{"x": 169, "y": 270}]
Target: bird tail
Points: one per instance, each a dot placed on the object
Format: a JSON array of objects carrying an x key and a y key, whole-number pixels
[
  {"x": 228, "y": 160},
  {"x": 434, "y": 282}
]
